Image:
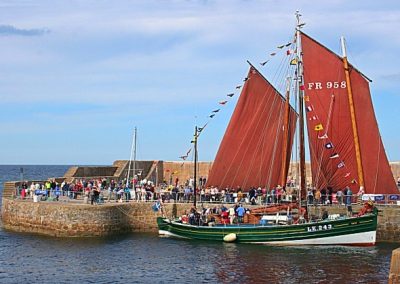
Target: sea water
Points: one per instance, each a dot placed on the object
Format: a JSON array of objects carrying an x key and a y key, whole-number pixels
[{"x": 147, "y": 258}]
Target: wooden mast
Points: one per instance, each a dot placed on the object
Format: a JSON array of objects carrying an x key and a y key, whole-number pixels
[
  {"x": 285, "y": 135},
  {"x": 353, "y": 115},
  {"x": 301, "y": 108},
  {"x": 195, "y": 166}
]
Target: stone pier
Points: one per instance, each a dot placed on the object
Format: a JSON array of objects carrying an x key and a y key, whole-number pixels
[{"x": 64, "y": 219}]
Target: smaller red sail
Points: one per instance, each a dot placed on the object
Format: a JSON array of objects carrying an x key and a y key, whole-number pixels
[{"x": 250, "y": 154}]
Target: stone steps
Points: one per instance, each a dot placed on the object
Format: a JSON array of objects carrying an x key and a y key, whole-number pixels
[
  {"x": 121, "y": 166},
  {"x": 9, "y": 189}
]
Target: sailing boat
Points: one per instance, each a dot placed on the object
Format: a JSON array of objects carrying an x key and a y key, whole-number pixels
[{"x": 335, "y": 101}]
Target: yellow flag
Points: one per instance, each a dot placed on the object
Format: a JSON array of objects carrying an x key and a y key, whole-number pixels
[
  {"x": 293, "y": 61},
  {"x": 318, "y": 127},
  {"x": 306, "y": 98}
]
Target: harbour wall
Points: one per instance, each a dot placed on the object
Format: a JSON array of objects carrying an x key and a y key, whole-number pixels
[{"x": 63, "y": 219}]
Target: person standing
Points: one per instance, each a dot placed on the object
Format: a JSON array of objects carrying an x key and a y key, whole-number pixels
[
  {"x": 232, "y": 214},
  {"x": 240, "y": 213},
  {"x": 349, "y": 194}
]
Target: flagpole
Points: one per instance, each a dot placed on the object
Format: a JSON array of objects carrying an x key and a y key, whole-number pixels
[
  {"x": 195, "y": 166},
  {"x": 301, "y": 109}
]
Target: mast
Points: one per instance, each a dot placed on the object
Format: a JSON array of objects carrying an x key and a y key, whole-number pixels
[
  {"x": 195, "y": 166},
  {"x": 301, "y": 107},
  {"x": 285, "y": 135},
  {"x": 134, "y": 152},
  {"x": 133, "y": 149},
  {"x": 352, "y": 114}
]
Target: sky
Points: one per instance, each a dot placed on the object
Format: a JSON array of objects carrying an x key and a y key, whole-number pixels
[{"x": 76, "y": 77}]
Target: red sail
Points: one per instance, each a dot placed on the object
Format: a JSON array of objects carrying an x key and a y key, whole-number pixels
[
  {"x": 250, "y": 154},
  {"x": 332, "y": 150}
]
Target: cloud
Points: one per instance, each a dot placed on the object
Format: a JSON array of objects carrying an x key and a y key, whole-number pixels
[{"x": 9, "y": 30}]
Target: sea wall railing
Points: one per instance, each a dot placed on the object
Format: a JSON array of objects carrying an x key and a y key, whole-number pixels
[{"x": 187, "y": 197}]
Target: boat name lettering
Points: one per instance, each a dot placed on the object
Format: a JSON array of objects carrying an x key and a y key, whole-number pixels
[
  {"x": 327, "y": 85},
  {"x": 319, "y": 228}
]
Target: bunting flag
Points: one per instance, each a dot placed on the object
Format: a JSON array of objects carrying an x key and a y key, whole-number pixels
[
  {"x": 340, "y": 165},
  {"x": 245, "y": 79},
  {"x": 281, "y": 46},
  {"x": 230, "y": 95},
  {"x": 222, "y": 102},
  {"x": 325, "y": 136},
  {"x": 289, "y": 51},
  {"x": 309, "y": 108},
  {"x": 288, "y": 44},
  {"x": 347, "y": 175},
  {"x": 273, "y": 54},
  {"x": 306, "y": 98},
  {"x": 329, "y": 145},
  {"x": 263, "y": 63},
  {"x": 200, "y": 129},
  {"x": 334, "y": 156},
  {"x": 302, "y": 88},
  {"x": 293, "y": 61},
  {"x": 238, "y": 86},
  {"x": 314, "y": 117},
  {"x": 211, "y": 116},
  {"x": 215, "y": 111},
  {"x": 318, "y": 127}
]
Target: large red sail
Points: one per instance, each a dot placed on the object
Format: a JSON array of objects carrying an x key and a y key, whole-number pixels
[
  {"x": 332, "y": 147},
  {"x": 250, "y": 154}
]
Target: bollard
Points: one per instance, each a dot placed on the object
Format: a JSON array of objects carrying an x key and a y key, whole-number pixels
[{"x": 394, "y": 275}]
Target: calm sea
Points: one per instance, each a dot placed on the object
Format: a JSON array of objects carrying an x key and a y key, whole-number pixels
[{"x": 147, "y": 258}]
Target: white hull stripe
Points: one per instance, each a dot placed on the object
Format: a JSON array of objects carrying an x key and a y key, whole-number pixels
[
  {"x": 167, "y": 233},
  {"x": 367, "y": 238}
]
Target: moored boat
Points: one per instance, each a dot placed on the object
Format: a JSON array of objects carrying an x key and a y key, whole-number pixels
[
  {"x": 346, "y": 149},
  {"x": 342, "y": 231}
]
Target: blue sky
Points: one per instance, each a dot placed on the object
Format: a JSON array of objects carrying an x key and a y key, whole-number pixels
[{"x": 77, "y": 76}]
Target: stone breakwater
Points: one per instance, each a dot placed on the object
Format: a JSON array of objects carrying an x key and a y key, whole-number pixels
[
  {"x": 61, "y": 219},
  {"x": 80, "y": 220}
]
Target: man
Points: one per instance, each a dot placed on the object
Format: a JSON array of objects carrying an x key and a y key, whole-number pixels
[
  {"x": 232, "y": 214},
  {"x": 240, "y": 213},
  {"x": 349, "y": 194}
]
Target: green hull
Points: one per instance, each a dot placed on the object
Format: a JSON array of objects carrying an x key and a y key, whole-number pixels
[{"x": 348, "y": 231}]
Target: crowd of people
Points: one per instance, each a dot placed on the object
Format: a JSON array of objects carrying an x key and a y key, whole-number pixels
[
  {"x": 206, "y": 216},
  {"x": 102, "y": 190},
  {"x": 96, "y": 191}
]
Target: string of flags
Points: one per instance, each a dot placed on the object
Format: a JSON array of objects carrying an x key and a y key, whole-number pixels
[
  {"x": 212, "y": 115},
  {"x": 328, "y": 144},
  {"x": 288, "y": 52}
]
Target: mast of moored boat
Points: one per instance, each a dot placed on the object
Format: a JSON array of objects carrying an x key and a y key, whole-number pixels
[
  {"x": 352, "y": 115},
  {"x": 195, "y": 165},
  {"x": 133, "y": 152},
  {"x": 284, "y": 171},
  {"x": 300, "y": 90}
]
